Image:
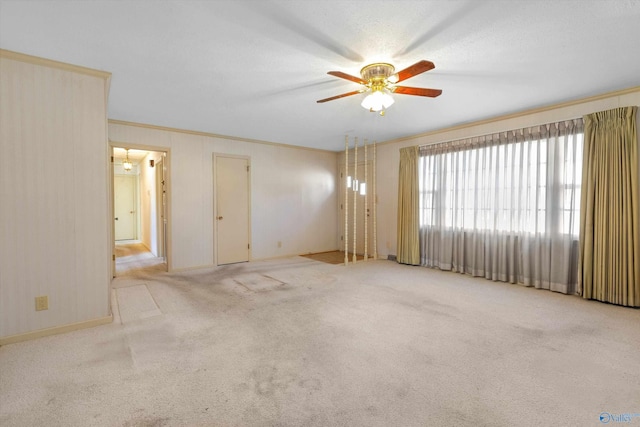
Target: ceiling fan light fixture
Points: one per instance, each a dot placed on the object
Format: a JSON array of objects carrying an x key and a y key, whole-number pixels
[{"x": 377, "y": 100}]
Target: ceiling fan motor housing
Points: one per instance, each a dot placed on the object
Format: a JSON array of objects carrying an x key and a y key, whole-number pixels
[{"x": 376, "y": 75}]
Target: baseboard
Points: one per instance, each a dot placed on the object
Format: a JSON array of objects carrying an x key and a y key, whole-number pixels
[
  {"x": 128, "y": 242},
  {"x": 278, "y": 257},
  {"x": 196, "y": 267},
  {"x": 12, "y": 339}
]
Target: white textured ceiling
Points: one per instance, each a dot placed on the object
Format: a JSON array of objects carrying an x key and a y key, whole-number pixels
[{"x": 254, "y": 69}]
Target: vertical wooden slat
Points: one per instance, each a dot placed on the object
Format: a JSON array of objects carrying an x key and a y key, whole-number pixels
[
  {"x": 366, "y": 204},
  {"x": 375, "y": 201},
  {"x": 346, "y": 200},
  {"x": 355, "y": 198}
]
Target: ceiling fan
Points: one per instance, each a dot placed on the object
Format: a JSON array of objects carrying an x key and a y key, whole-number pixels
[{"x": 380, "y": 80}]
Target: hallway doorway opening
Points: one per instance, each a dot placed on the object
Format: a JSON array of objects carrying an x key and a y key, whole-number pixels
[{"x": 140, "y": 210}]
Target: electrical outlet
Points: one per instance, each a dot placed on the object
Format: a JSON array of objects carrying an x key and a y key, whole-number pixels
[
  {"x": 42, "y": 303},
  {"x": 279, "y": 244}
]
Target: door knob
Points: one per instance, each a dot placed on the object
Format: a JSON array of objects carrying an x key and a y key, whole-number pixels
[
  {"x": 219, "y": 217},
  {"x": 116, "y": 218}
]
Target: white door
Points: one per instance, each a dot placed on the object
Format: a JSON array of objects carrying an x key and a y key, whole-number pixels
[
  {"x": 232, "y": 209},
  {"x": 124, "y": 206}
]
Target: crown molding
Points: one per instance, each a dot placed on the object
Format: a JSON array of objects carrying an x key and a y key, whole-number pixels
[
  {"x": 510, "y": 116},
  {"x": 214, "y": 135},
  {"x": 16, "y": 56}
]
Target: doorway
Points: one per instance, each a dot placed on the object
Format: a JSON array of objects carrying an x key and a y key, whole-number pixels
[
  {"x": 140, "y": 210},
  {"x": 232, "y": 218}
]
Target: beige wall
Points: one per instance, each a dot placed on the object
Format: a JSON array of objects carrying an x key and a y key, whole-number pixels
[
  {"x": 148, "y": 211},
  {"x": 53, "y": 194},
  {"x": 389, "y": 153},
  {"x": 293, "y": 197}
]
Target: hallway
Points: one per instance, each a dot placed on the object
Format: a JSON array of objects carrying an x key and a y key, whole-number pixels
[{"x": 134, "y": 258}]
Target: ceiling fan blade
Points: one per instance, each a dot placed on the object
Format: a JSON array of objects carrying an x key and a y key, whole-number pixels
[
  {"x": 415, "y": 69},
  {"x": 355, "y": 92},
  {"x": 347, "y": 76},
  {"x": 418, "y": 91}
]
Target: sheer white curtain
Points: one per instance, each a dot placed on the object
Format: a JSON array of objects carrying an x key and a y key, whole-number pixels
[{"x": 505, "y": 206}]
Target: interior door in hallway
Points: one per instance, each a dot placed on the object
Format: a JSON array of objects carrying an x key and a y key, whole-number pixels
[
  {"x": 124, "y": 205},
  {"x": 232, "y": 209}
]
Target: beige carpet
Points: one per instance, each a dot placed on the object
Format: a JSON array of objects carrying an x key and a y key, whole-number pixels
[{"x": 296, "y": 342}]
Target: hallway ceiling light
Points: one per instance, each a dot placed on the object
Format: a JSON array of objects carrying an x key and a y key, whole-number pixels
[{"x": 126, "y": 163}]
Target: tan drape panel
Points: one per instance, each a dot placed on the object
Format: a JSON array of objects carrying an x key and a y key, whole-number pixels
[
  {"x": 408, "y": 205},
  {"x": 609, "y": 265}
]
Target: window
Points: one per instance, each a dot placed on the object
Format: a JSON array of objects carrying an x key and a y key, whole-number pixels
[
  {"x": 504, "y": 206},
  {"x": 520, "y": 181}
]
